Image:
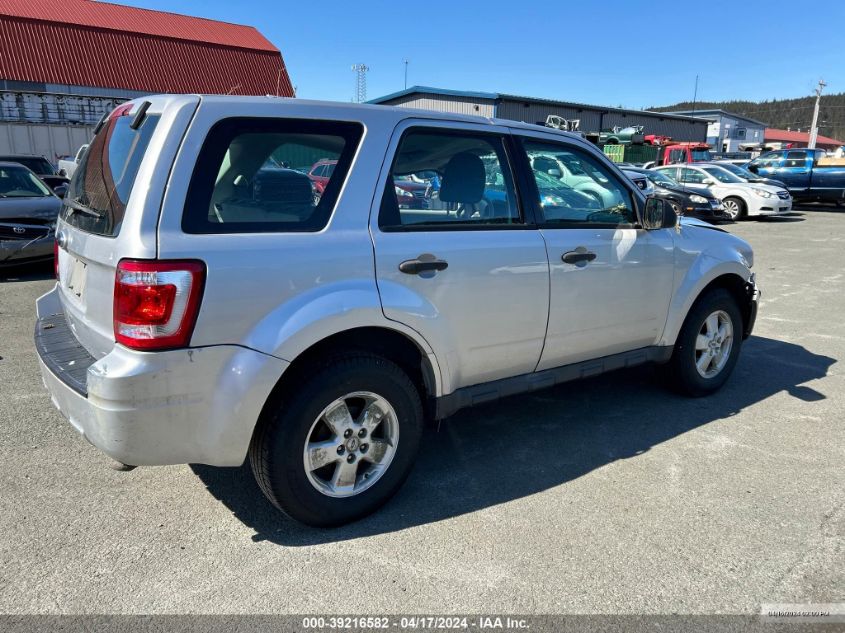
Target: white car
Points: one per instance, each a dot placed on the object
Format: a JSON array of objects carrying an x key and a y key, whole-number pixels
[
  {"x": 740, "y": 199},
  {"x": 67, "y": 167},
  {"x": 207, "y": 311}
]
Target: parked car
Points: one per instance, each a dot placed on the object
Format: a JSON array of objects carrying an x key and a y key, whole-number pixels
[
  {"x": 740, "y": 199},
  {"x": 67, "y": 166},
  {"x": 316, "y": 344},
  {"x": 411, "y": 194},
  {"x": 639, "y": 179},
  {"x": 320, "y": 173},
  {"x": 42, "y": 168},
  {"x": 685, "y": 201},
  {"x": 747, "y": 176},
  {"x": 28, "y": 212},
  {"x": 805, "y": 172}
]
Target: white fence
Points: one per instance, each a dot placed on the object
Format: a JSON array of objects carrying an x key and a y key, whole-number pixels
[{"x": 43, "y": 139}]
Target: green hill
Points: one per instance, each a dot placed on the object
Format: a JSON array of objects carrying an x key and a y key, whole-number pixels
[{"x": 782, "y": 113}]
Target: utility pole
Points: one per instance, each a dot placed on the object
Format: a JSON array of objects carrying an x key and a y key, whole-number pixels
[
  {"x": 814, "y": 130},
  {"x": 406, "y": 74},
  {"x": 694, "y": 96},
  {"x": 360, "y": 82}
]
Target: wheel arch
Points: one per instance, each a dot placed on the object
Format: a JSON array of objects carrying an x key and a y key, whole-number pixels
[
  {"x": 732, "y": 276},
  {"x": 420, "y": 365}
]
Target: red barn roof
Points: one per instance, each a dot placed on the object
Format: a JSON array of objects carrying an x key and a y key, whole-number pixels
[
  {"x": 98, "y": 44},
  {"x": 774, "y": 135}
]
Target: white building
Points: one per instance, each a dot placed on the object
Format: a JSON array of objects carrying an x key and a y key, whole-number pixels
[{"x": 729, "y": 132}]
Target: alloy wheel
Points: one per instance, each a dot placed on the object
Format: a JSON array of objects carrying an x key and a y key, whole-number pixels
[
  {"x": 713, "y": 344},
  {"x": 351, "y": 444},
  {"x": 731, "y": 208}
]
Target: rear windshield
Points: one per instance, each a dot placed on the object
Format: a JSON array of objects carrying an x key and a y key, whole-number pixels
[
  {"x": 39, "y": 165},
  {"x": 100, "y": 188}
]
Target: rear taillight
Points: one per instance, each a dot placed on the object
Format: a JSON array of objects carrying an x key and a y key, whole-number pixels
[
  {"x": 156, "y": 302},
  {"x": 56, "y": 258}
]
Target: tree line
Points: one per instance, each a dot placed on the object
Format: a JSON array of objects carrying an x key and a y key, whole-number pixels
[{"x": 793, "y": 114}]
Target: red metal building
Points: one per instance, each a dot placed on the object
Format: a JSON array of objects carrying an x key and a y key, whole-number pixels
[
  {"x": 114, "y": 48},
  {"x": 788, "y": 138}
]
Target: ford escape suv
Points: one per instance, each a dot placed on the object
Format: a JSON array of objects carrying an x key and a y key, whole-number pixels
[{"x": 205, "y": 312}]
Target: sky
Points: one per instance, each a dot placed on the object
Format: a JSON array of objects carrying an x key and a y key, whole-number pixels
[{"x": 632, "y": 54}]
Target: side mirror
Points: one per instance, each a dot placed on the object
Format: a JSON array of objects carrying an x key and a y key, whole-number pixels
[
  {"x": 658, "y": 214},
  {"x": 60, "y": 190},
  {"x": 751, "y": 167},
  {"x": 709, "y": 182},
  {"x": 556, "y": 173}
]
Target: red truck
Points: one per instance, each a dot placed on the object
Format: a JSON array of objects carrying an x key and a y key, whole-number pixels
[{"x": 687, "y": 152}]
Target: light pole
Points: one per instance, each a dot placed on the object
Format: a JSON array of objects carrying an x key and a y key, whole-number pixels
[{"x": 406, "y": 74}]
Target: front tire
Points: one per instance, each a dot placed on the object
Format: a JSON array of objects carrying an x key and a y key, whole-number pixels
[
  {"x": 708, "y": 345},
  {"x": 735, "y": 208},
  {"x": 340, "y": 441}
]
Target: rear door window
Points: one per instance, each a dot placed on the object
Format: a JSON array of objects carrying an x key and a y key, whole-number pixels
[
  {"x": 100, "y": 188},
  {"x": 258, "y": 175},
  {"x": 796, "y": 159}
]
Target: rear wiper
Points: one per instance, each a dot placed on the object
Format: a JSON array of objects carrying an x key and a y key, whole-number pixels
[{"x": 81, "y": 208}]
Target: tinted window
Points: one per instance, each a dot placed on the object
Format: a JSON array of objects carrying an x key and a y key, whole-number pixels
[
  {"x": 796, "y": 159},
  {"x": 772, "y": 159},
  {"x": 101, "y": 185},
  {"x": 692, "y": 176},
  {"x": 252, "y": 176},
  {"x": 40, "y": 166},
  {"x": 449, "y": 179},
  {"x": 17, "y": 182},
  {"x": 579, "y": 189}
]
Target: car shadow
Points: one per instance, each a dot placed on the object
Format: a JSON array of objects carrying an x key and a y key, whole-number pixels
[
  {"x": 523, "y": 445},
  {"x": 39, "y": 271},
  {"x": 782, "y": 219}
]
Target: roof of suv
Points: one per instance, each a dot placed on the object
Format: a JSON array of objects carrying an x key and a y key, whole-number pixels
[{"x": 398, "y": 112}]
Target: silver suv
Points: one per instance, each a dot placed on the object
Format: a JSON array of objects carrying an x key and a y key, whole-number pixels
[{"x": 218, "y": 299}]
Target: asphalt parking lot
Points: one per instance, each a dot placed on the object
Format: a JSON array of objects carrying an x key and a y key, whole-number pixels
[{"x": 605, "y": 496}]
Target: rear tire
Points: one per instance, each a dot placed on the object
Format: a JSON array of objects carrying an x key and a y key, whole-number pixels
[
  {"x": 689, "y": 371},
  {"x": 324, "y": 463},
  {"x": 735, "y": 208}
]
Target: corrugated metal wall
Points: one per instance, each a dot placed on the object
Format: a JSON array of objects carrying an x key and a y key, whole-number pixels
[
  {"x": 50, "y": 141},
  {"x": 116, "y": 17},
  {"x": 592, "y": 120},
  {"x": 440, "y": 103}
]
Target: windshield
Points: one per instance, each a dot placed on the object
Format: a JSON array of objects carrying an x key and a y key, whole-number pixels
[
  {"x": 40, "y": 166},
  {"x": 743, "y": 173},
  {"x": 701, "y": 155},
  {"x": 722, "y": 175},
  {"x": 659, "y": 178},
  {"x": 19, "y": 182},
  {"x": 100, "y": 187}
]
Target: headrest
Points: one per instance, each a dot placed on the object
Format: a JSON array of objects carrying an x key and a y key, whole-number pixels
[{"x": 463, "y": 179}]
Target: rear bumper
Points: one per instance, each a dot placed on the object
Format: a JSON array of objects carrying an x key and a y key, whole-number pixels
[{"x": 195, "y": 405}]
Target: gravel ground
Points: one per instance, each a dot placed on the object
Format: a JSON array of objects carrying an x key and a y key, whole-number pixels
[{"x": 606, "y": 496}]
